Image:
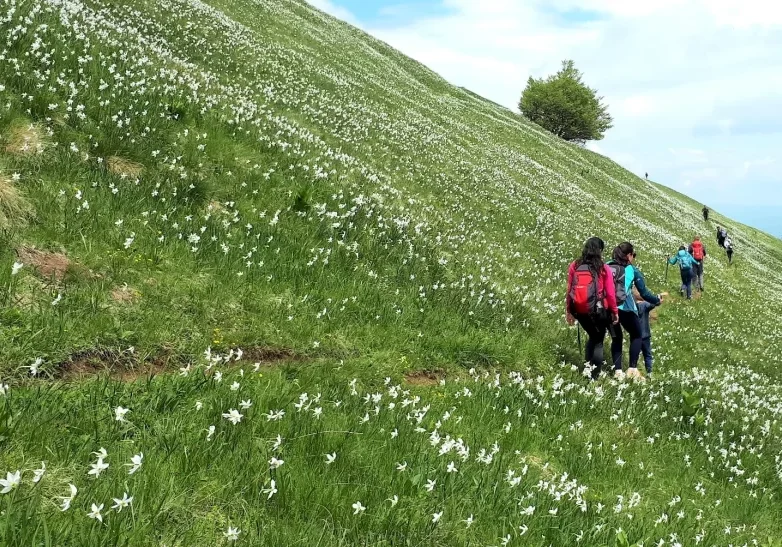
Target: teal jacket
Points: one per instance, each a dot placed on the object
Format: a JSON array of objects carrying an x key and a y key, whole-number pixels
[
  {"x": 634, "y": 277},
  {"x": 684, "y": 259}
]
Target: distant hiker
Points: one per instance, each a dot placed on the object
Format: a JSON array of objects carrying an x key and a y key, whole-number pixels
[
  {"x": 627, "y": 276},
  {"x": 722, "y": 233},
  {"x": 729, "y": 249},
  {"x": 686, "y": 262},
  {"x": 591, "y": 300},
  {"x": 645, "y": 314},
  {"x": 698, "y": 252},
  {"x": 647, "y": 176},
  {"x": 705, "y": 213}
]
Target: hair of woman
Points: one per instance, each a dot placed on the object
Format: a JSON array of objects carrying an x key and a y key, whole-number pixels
[
  {"x": 621, "y": 253},
  {"x": 592, "y": 255}
]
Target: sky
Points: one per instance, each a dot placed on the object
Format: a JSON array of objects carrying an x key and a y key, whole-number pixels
[{"x": 694, "y": 86}]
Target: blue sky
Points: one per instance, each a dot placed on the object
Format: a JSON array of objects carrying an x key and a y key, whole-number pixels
[{"x": 694, "y": 86}]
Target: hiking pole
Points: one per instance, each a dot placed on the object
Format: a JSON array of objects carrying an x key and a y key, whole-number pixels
[
  {"x": 666, "y": 269},
  {"x": 580, "y": 349}
]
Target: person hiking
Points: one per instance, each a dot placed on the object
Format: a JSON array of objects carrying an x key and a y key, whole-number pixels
[
  {"x": 722, "y": 233},
  {"x": 729, "y": 249},
  {"x": 626, "y": 276},
  {"x": 686, "y": 262},
  {"x": 705, "y": 213},
  {"x": 591, "y": 300},
  {"x": 645, "y": 314},
  {"x": 698, "y": 252}
]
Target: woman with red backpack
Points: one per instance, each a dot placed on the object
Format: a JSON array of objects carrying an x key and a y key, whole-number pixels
[
  {"x": 591, "y": 300},
  {"x": 698, "y": 251}
]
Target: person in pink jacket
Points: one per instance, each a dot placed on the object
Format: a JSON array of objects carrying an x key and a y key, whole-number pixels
[{"x": 591, "y": 300}]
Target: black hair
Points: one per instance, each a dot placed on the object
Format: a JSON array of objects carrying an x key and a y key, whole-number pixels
[
  {"x": 622, "y": 251},
  {"x": 682, "y": 248},
  {"x": 592, "y": 255}
]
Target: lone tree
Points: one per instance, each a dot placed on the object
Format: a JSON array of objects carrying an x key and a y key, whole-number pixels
[{"x": 566, "y": 106}]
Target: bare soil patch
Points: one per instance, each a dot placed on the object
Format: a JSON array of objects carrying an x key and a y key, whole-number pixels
[
  {"x": 120, "y": 365},
  {"x": 269, "y": 356},
  {"x": 424, "y": 377},
  {"x": 125, "y": 295},
  {"x": 48, "y": 265}
]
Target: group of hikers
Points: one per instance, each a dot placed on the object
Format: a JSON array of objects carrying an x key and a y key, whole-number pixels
[{"x": 611, "y": 297}]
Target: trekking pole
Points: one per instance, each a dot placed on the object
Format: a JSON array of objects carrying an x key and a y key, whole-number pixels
[
  {"x": 666, "y": 268},
  {"x": 580, "y": 349}
]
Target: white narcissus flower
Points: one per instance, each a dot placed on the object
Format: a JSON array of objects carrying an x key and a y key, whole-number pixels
[
  {"x": 95, "y": 513},
  {"x": 34, "y": 367},
  {"x": 98, "y": 467},
  {"x": 274, "y": 463},
  {"x": 120, "y": 504},
  {"x": 235, "y": 386},
  {"x": 233, "y": 416},
  {"x": 358, "y": 508},
  {"x": 452, "y": 468},
  {"x": 39, "y": 472},
  {"x": 468, "y": 521},
  {"x": 135, "y": 463},
  {"x": 244, "y": 405},
  {"x": 232, "y": 534},
  {"x": 16, "y": 268},
  {"x": 394, "y": 500},
  {"x": 210, "y": 432},
  {"x": 66, "y": 501},
  {"x": 401, "y": 466},
  {"x": 330, "y": 458},
  {"x": 269, "y": 492},
  {"x": 199, "y": 405},
  {"x": 119, "y": 413},
  {"x": 436, "y": 517},
  {"x": 10, "y": 482},
  {"x": 430, "y": 484}
]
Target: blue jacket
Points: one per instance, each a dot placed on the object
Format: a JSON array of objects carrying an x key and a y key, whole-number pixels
[
  {"x": 634, "y": 277},
  {"x": 644, "y": 308},
  {"x": 684, "y": 259}
]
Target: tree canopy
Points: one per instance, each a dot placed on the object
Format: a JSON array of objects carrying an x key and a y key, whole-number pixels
[{"x": 566, "y": 106}]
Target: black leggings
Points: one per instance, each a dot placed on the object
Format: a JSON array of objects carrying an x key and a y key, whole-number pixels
[
  {"x": 629, "y": 321},
  {"x": 595, "y": 329}
]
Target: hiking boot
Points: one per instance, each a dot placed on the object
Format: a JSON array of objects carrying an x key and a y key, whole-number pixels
[{"x": 619, "y": 374}]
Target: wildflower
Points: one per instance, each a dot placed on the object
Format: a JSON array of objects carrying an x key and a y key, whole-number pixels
[
  {"x": 95, "y": 513},
  {"x": 528, "y": 511},
  {"x": 39, "y": 472},
  {"x": 233, "y": 416},
  {"x": 436, "y": 517},
  {"x": 523, "y": 529},
  {"x": 10, "y": 482},
  {"x": 66, "y": 501},
  {"x": 120, "y": 504},
  {"x": 401, "y": 466},
  {"x": 57, "y": 300},
  {"x": 119, "y": 413},
  {"x": 452, "y": 468},
  {"x": 269, "y": 492},
  {"x": 394, "y": 500},
  {"x": 468, "y": 521},
  {"x": 277, "y": 443},
  {"x": 135, "y": 464},
  {"x": 34, "y": 367},
  {"x": 16, "y": 268},
  {"x": 101, "y": 453},
  {"x": 274, "y": 463},
  {"x": 244, "y": 405},
  {"x": 232, "y": 534},
  {"x": 394, "y": 433},
  {"x": 199, "y": 405},
  {"x": 235, "y": 386},
  {"x": 210, "y": 432},
  {"x": 358, "y": 508},
  {"x": 98, "y": 468},
  {"x": 330, "y": 458},
  {"x": 430, "y": 484}
]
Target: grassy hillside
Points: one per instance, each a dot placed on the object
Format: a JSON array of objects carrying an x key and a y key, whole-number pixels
[{"x": 328, "y": 219}]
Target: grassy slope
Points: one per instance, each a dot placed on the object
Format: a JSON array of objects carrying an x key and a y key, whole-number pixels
[{"x": 302, "y": 185}]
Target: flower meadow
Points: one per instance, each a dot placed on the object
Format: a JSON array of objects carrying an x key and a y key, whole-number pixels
[{"x": 390, "y": 253}]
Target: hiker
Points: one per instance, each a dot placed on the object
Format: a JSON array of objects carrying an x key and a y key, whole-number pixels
[
  {"x": 647, "y": 176},
  {"x": 591, "y": 300},
  {"x": 627, "y": 276},
  {"x": 686, "y": 262},
  {"x": 729, "y": 249},
  {"x": 698, "y": 252},
  {"x": 705, "y": 213},
  {"x": 722, "y": 233},
  {"x": 645, "y": 314}
]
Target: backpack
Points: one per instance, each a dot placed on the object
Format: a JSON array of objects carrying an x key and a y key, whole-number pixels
[
  {"x": 584, "y": 299},
  {"x": 723, "y": 233},
  {"x": 618, "y": 272},
  {"x": 697, "y": 250}
]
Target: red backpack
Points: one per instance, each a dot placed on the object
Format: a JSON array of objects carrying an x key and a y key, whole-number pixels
[
  {"x": 697, "y": 250},
  {"x": 584, "y": 298}
]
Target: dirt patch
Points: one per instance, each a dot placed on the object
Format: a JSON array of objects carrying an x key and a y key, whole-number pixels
[
  {"x": 48, "y": 265},
  {"x": 270, "y": 355},
  {"x": 123, "y": 167},
  {"x": 125, "y": 295},
  {"x": 425, "y": 377},
  {"x": 124, "y": 366},
  {"x": 15, "y": 210},
  {"x": 216, "y": 207},
  {"x": 25, "y": 140}
]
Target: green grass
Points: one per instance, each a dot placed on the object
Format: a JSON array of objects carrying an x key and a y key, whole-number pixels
[{"x": 292, "y": 187}]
